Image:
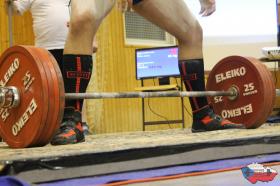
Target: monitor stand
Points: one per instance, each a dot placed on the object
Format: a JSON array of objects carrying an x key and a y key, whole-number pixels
[{"x": 164, "y": 81}]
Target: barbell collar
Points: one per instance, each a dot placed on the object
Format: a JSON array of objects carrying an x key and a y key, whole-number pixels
[
  {"x": 9, "y": 97},
  {"x": 277, "y": 92}
]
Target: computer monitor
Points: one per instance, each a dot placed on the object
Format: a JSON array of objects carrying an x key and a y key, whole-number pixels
[{"x": 160, "y": 62}]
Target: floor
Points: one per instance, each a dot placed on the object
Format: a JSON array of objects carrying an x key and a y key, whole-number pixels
[{"x": 111, "y": 154}]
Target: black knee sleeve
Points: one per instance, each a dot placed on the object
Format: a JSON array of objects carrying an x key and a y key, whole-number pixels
[
  {"x": 192, "y": 74},
  {"x": 77, "y": 70},
  {"x": 58, "y": 55}
]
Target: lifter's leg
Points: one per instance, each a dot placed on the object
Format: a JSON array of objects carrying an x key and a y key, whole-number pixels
[
  {"x": 86, "y": 16},
  {"x": 175, "y": 17}
]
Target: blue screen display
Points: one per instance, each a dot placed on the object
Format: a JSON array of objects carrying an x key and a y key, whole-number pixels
[{"x": 157, "y": 62}]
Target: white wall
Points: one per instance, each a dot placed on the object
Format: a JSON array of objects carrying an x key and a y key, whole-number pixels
[{"x": 238, "y": 27}]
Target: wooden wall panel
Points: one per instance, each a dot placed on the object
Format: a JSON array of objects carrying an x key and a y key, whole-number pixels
[
  {"x": 4, "y": 37},
  {"x": 22, "y": 29}
]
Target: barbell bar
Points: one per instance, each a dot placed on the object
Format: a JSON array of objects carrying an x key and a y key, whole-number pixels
[
  {"x": 96, "y": 95},
  {"x": 32, "y": 95},
  {"x": 232, "y": 94},
  {"x": 10, "y": 96}
]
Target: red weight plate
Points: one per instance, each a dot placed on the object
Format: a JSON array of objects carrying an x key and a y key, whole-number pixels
[
  {"x": 272, "y": 95},
  {"x": 267, "y": 93},
  {"x": 273, "y": 91},
  {"x": 270, "y": 88},
  {"x": 243, "y": 74},
  {"x": 56, "y": 92},
  {"x": 268, "y": 100},
  {"x": 36, "y": 54},
  {"x": 21, "y": 126}
]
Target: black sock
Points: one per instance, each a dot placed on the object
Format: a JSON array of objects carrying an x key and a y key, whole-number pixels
[
  {"x": 77, "y": 70},
  {"x": 192, "y": 74}
]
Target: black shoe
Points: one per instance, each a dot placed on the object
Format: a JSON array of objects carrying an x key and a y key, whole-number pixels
[
  {"x": 212, "y": 121},
  {"x": 71, "y": 130}
]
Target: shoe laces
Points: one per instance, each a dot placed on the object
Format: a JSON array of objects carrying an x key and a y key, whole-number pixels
[
  {"x": 67, "y": 124},
  {"x": 215, "y": 116}
]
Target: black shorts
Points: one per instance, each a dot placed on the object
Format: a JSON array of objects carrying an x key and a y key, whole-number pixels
[{"x": 136, "y": 1}]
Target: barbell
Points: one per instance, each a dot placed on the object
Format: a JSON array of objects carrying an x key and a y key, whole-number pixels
[{"x": 32, "y": 94}]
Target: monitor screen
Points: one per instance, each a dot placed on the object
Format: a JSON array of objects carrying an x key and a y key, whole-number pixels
[{"x": 157, "y": 62}]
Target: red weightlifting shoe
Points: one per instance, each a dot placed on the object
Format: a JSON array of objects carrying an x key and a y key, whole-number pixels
[
  {"x": 71, "y": 129},
  {"x": 212, "y": 122}
]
